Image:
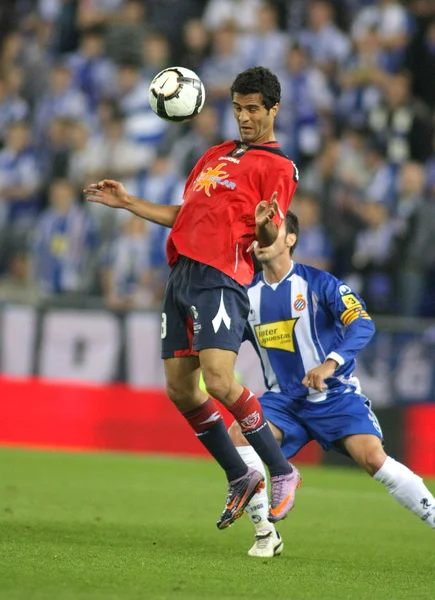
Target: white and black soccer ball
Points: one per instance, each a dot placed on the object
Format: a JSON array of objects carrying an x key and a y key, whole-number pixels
[{"x": 176, "y": 94}]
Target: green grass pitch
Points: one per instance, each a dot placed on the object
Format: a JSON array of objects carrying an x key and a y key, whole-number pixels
[{"x": 117, "y": 527}]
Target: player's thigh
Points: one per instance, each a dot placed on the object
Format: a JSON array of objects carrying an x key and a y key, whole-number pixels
[
  {"x": 182, "y": 382},
  {"x": 281, "y": 414},
  {"x": 221, "y": 308},
  {"x": 366, "y": 450},
  {"x": 338, "y": 417},
  {"x": 177, "y": 320}
]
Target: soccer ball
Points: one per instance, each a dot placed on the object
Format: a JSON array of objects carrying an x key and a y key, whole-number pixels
[{"x": 176, "y": 94}]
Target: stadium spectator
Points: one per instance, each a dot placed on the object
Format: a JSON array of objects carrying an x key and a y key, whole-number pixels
[
  {"x": 92, "y": 72},
  {"x": 126, "y": 33},
  {"x": 223, "y": 64},
  {"x": 266, "y": 44},
  {"x": 61, "y": 100},
  {"x": 19, "y": 180},
  {"x": 64, "y": 28},
  {"x": 350, "y": 115},
  {"x": 78, "y": 154},
  {"x": 28, "y": 50},
  {"x": 244, "y": 14},
  {"x": 195, "y": 44},
  {"x": 327, "y": 46},
  {"x": 420, "y": 61},
  {"x": 360, "y": 79},
  {"x": 141, "y": 124},
  {"x": 97, "y": 12},
  {"x": 371, "y": 257},
  {"x": 12, "y": 108},
  {"x": 113, "y": 152},
  {"x": 307, "y": 100},
  {"x": 16, "y": 284},
  {"x": 127, "y": 278},
  {"x": 380, "y": 175},
  {"x": 391, "y": 22},
  {"x": 156, "y": 55},
  {"x": 64, "y": 244},
  {"x": 168, "y": 17},
  {"x": 401, "y": 123},
  {"x": 314, "y": 248},
  {"x": 56, "y": 152},
  {"x": 411, "y": 253},
  {"x": 203, "y": 134},
  {"x": 163, "y": 184}
]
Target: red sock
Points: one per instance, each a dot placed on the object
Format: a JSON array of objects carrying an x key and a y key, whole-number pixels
[
  {"x": 210, "y": 430},
  {"x": 247, "y": 411},
  {"x": 204, "y": 416}
]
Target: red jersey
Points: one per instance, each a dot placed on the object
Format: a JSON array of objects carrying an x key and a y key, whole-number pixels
[{"x": 216, "y": 224}]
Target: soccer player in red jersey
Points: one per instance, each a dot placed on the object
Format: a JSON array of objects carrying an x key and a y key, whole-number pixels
[{"x": 236, "y": 196}]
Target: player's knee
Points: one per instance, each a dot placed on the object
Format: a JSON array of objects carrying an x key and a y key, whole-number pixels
[
  {"x": 374, "y": 458},
  {"x": 236, "y": 435},
  {"x": 179, "y": 395},
  {"x": 218, "y": 383}
]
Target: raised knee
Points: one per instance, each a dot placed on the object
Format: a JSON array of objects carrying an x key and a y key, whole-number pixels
[
  {"x": 235, "y": 433},
  {"x": 373, "y": 460},
  {"x": 218, "y": 384},
  {"x": 178, "y": 395}
]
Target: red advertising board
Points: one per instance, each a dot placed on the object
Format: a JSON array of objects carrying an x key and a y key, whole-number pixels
[
  {"x": 420, "y": 438},
  {"x": 116, "y": 417}
]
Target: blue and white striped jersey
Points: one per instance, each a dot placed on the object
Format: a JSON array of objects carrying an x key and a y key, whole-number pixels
[{"x": 297, "y": 323}]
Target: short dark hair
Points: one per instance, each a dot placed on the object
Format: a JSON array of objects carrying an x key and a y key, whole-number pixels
[
  {"x": 258, "y": 80},
  {"x": 292, "y": 226}
]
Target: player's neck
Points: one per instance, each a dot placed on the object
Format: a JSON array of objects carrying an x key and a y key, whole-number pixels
[
  {"x": 264, "y": 139},
  {"x": 276, "y": 271}
]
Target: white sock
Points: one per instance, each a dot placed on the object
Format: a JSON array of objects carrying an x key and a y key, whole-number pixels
[
  {"x": 258, "y": 508},
  {"x": 408, "y": 489}
]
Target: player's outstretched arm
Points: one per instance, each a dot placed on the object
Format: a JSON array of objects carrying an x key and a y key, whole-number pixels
[
  {"x": 113, "y": 194},
  {"x": 266, "y": 230}
]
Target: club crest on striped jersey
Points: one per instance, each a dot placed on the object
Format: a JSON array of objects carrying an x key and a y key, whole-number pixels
[
  {"x": 300, "y": 303},
  {"x": 278, "y": 335},
  {"x": 211, "y": 178}
]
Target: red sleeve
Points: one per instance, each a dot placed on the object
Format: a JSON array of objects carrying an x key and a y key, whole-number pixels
[{"x": 284, "y": 181}]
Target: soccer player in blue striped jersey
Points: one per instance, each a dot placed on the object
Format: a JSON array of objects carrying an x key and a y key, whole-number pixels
[{"x": 307, "y": 328}]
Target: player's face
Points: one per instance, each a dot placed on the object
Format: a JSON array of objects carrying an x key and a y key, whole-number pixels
[
  {"x": 280, "y": 248},
  {"x": 255, "y": 123}
]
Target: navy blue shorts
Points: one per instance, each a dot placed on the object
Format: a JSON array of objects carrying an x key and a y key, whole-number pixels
[
  {"x": 203, "y": 308},
  {"x": 326, "y": 422}
]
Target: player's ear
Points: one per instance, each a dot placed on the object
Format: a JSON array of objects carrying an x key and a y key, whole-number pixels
[
  {"x": 290, "y": 240},
  {"x": 274, "y": 110}
]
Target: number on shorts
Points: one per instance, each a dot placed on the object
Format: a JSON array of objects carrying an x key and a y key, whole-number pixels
[{"x": 164, "y": 328}]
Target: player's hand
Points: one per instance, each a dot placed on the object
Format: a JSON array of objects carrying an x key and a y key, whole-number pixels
[
  {"x": 108, "y": 192},
  {"x": 266, "y": 210},
  {"x": 315, "y": 378}
]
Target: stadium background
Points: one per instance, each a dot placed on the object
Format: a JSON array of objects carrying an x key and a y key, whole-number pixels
[{"x": 80, "y": 286}]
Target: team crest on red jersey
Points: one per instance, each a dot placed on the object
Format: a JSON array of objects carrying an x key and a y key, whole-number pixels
[{"x": 212, "y": 178}]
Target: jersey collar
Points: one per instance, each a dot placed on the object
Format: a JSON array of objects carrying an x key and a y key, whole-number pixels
[{"x": 276, "y": 284}]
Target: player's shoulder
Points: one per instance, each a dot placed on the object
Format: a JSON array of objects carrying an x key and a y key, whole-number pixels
[
  {"x": 315, "y": 278},
  {"x": 224, "y": 148},
  {"x": 273, "y": 158}
]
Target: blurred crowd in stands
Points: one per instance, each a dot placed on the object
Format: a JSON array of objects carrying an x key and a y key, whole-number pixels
[{"x": 357, "y": 117}]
